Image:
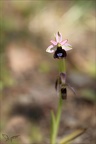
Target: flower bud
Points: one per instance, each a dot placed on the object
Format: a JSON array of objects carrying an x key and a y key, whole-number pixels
[{"x": 64, "y": 93}]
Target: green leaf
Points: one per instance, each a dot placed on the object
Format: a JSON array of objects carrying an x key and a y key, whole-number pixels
[
  {"x": 72, "y": 136},
  {"x": 53, "y": 121}
]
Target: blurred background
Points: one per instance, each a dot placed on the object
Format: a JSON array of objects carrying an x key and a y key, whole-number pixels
[{"x": 28, "y": 73}]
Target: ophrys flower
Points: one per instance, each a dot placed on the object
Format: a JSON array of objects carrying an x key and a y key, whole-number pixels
[{"x": 59, "y": 46}]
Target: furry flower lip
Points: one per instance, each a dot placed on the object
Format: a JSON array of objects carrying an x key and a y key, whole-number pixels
[
  {"x": 60, "y": 45},
  {"x": 60, "y": 53}
]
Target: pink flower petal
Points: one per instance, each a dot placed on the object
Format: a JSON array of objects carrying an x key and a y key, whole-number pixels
[
  {"x": 68, "y": 45},
  {"x": 58, "y": 37},
  {"x": 63, "y": 42},
  {"x": 53, "y": 42},
  {"x": 66, "y": 48},
  {"x": 50, "y": 49}
]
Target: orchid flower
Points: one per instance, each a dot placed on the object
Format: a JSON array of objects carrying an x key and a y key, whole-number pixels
[{"x": 58, "y": 43}]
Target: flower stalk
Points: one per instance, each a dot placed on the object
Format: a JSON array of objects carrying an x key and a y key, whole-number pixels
[{"x": 56, "y": 119}]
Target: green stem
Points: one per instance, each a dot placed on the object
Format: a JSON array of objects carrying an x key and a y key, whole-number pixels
[
  {"x": 62, "y": 68},
  {"x": 57, "y": 121},
  {"x": 62, "y": 65}
]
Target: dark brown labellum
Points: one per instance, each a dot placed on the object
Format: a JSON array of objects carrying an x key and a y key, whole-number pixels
[{"x": 60, "y": 53}]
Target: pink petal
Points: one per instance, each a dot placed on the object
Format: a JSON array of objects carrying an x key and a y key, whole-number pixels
[
  {"x": 50, "y": 49},
  {"x": 63, "y": 42},
  {"x": 58, "y": 37},
  {"x": 53, "y": 42},
  {"x": 66, "y": 48},
  {"x": 68, "y": 45}
]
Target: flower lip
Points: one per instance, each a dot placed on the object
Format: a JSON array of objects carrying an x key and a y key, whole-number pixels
[{"x": 60, "y": 53}]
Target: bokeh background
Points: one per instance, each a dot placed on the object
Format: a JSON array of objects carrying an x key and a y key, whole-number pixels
[{"x": 28, "y": 73}]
